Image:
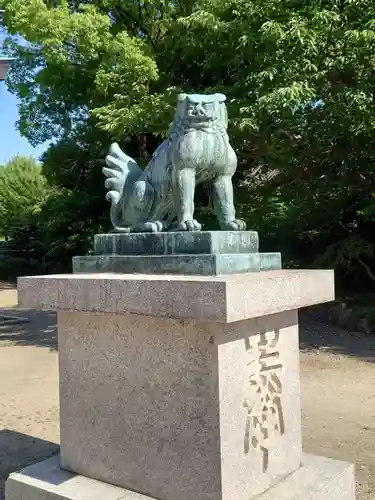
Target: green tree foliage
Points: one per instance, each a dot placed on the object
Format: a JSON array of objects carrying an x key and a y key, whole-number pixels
[
  {"x": 298, "y": 74},
  {"x": 78, "y": 209},
  {"x": 23, "y": 189}
]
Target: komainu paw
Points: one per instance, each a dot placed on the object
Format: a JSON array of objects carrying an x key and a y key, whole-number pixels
[
  {"x": 235, "y": 225},
  {"x": 188, "y": 225},
  {"x": 149, "y": 227}
]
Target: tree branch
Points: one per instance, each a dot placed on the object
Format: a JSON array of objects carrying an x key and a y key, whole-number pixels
[
  {"x": 370, "y": 273},
  {"x": 139, "y": 24}
]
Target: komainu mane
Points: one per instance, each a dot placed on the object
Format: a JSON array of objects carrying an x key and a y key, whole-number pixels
[{"x": 161, "y": 197}]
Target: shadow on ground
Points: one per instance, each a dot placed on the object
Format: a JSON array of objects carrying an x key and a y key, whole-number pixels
[
  {"x": 8, "y": 285},
  {"x": 317, "y": 335},
  {"x": 39, "y": 331},
  {"x": 18, "y": 450}
]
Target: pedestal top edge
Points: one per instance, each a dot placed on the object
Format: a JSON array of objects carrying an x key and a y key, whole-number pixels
[
  {"x": 167, "y": 234},
  {"x": 250, "y": 277},
  {"x": 220, "y": 298}
]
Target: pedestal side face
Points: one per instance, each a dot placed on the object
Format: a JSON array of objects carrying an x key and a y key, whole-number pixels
[
  {"x": 139, "y": 404},
  {"x": 260, "y": 418},
  {"x": 184, "y": 265},
  {"x": 170, "y": 243},
  {"x": 180, "y": 409}
]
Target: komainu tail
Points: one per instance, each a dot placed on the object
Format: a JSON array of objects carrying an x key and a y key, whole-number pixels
[{"x": 121, "y": 172}]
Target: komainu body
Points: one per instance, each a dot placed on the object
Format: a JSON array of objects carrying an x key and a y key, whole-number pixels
[{"x": 161, "y": 197}]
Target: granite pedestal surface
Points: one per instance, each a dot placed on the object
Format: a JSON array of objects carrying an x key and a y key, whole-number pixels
[{"x": 180, "y": 387}]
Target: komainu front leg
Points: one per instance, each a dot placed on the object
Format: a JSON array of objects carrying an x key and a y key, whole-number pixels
[
  {"x": 183, "y": 184},
  {"x": 222, "y": 193}
]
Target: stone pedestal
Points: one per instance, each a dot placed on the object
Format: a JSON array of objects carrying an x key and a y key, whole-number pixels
[
  {"x": 207, "y": 253},
  {"x": 318, "y": 478},
  {"x": 180, "y": 388}
]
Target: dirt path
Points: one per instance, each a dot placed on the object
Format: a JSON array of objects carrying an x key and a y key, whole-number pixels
[
  {"x": 29, "y": 427},
  {"x": 8, "y": 296},
  {"x": 338, "y": 398},
  {"x": 337, "y": 377}
]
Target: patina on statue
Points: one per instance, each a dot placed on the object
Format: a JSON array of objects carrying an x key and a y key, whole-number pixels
[{"x": 161, "y": 197}]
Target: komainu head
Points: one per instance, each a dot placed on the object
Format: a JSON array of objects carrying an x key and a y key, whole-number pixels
[{"x": 202, "y": 111}]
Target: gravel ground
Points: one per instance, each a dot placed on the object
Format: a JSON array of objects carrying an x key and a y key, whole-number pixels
[{"x": 337, "y": 377}]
